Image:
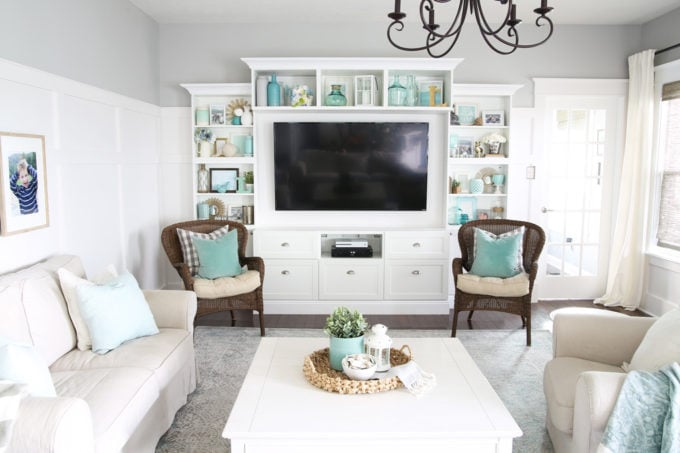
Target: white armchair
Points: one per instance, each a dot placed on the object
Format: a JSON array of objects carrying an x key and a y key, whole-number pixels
[{"x": 582, "y": 382}]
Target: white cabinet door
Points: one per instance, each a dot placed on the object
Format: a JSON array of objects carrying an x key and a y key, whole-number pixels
[
  {"x": 352, "y": 278},
  {"x": 417, "y": 245},
  {"x": 291, "y": 279},
  {"x": 416, "y": 280},
  {"x": 286, "y": 244}
]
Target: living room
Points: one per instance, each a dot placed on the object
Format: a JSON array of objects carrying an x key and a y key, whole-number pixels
[{"x": 101, "y": 81}]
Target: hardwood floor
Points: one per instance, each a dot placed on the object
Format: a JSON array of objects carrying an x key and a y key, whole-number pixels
[{"x": 540, "y": 318}]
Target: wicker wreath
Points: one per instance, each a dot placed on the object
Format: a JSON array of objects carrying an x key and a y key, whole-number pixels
[{"x": 318, "y": 372}]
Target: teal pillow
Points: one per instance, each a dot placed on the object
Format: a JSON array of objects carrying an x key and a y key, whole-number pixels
[
  {"x": 22, "y": 364},
  {"x": 497, "y": 256},
  {"x": 115, "y": 312},
  {"x": 218, "y": 257}
]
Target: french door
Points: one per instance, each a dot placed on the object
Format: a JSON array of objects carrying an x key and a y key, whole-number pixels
[{"x": 573, "y": 196}]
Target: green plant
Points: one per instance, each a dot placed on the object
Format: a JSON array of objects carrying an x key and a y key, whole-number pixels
[
  {"x": 343, "y": 323},
  {"x": 248, "y": 177}
]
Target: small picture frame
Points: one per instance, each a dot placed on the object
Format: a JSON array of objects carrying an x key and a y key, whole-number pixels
[
  {"x": 218, "y": 115},
  {"x": 223, "y": 180},
  {"x": 465, "y": 147},
  {"x": 346, "y": 87},
  {"x": 467, "y": 205},
  {"x": 23, "y": 183},
  {"x": 425, "y": 98},
  {"x": 235, "y": 213},
  {"x": 219, "y": 144},
  {"x": 493, "y": 118},
  {"x": 467, "y": 114}
]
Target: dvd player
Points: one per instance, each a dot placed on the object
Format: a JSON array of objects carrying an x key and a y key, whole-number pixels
[{"x": 351, "y": 252}]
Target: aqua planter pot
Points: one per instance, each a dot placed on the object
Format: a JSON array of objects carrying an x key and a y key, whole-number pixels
[{"x": 340, "y": 347}]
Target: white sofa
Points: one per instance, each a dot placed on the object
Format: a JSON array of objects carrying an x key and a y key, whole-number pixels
[
  {"x": 124, "y": 400},
  {"x": 583, "y": 380}
]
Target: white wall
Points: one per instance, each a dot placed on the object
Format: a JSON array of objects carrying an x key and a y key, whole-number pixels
[{"x": 102, "y": 158}]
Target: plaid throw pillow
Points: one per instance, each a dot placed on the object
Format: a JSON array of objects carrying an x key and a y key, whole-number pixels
[{"x": 188, "y": 249}]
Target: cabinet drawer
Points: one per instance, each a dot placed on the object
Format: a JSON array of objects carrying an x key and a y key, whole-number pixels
[
  {"x": 291, "y": 280},
  {"x": 417, "y": 245},
  {"x": 350, "y": 279},
  {"x": 416, "y": 280},
  {"x": 285, "y": 244}
]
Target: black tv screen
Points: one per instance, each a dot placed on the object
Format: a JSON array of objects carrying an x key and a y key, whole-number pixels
[{"x": 342, "y": 166}]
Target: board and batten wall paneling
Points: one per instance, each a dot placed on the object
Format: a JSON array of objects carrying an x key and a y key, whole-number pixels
[{"x": 102, "y": 153}]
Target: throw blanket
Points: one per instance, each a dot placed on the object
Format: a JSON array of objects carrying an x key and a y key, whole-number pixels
[{"x": 646, "y": 417}]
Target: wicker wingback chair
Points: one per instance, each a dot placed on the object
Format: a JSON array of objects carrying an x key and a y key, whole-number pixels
[
  {"x": 247, "y": 301},
  {"x": 534, "y": 239}
]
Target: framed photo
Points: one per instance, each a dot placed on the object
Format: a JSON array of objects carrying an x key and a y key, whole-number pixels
[
  {"x": 426, "y": 90},
  {"x": 464, "y": 147},
  {"x": 223, "y": 180},
  {"x": 235, "y": 213},
  {"x": 219, "y": 145},
  {"x": 218, "y": 116},
  {"x": 23, "y": 183},
  {"x": 493, "y": 118},
  {"x": 467, "y": 114},
  {"x": 346, "y": 87},
  {"x": 467, "y": 205}
]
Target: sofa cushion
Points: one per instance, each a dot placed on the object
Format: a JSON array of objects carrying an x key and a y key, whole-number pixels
[
  {"x": 69, "y": 282},
  {"x": 23, "y": 365},
  {"x": 559, "y": 384},
  {"x": 115, "y": 312},
  {"x": 34, "y": 310},
  {"x": 226, "y": 286},
  {"x": 119, "y": 398},
  {"x": 500, "y": 287},
  {"x": 660, "y": 345}
]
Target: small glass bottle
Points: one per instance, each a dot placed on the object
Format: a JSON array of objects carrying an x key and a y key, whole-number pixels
[
  {"x": 202, "y": 184},
  {"x": 396, "y": 93},
  {"x": 335, "y": 98},
  {"x": 411, "y": 91},
  {"x": 273, "y": 92}
]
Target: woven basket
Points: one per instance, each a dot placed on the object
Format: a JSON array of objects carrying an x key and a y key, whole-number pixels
[{"x": 318, "y": 372}]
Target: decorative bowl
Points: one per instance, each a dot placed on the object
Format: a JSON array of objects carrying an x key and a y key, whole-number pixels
[{"x": 359, "y": 367}]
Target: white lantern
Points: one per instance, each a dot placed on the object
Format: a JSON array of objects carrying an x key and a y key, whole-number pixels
[{"x": 378, "y": 345}]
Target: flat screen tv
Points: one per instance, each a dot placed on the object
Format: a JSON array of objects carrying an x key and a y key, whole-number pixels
[{"x": 344, "y": 166}]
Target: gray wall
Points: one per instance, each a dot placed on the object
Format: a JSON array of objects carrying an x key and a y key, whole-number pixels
[
  {"x": 110, "y": 44},
  {"x": 212, "y": 53},
  {"x": 663, "y": 32}
]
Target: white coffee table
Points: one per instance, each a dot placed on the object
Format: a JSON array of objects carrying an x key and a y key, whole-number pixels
[{"x": 278, "y": 411}]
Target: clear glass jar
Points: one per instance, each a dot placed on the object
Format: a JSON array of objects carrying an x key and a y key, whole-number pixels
[
  {"x": 335, "y": 98},
  {"x": 396, "y": 93}
]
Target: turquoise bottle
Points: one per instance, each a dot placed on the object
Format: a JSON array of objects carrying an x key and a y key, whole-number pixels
[{"x": 273, "y": 92}]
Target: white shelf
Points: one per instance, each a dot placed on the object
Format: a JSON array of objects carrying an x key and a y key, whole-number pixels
[
  {"x": 236, "y": 160},
  {"x": 230, "y": 126},
  {"x": 472, "y": 126},
  {"x": 225, "y": 194},
  {"x": 479, "y": 161},
  {"x": 478, "y": 195}
]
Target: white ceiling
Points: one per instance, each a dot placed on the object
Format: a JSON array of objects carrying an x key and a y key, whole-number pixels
[{"x": 611, "y": 12}]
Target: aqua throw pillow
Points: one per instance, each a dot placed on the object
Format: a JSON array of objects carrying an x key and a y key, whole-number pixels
[
  {"x": 497, "y": 255},
  {"x": 218, "y": 257},
  {"x": 115, "y": 312},
  {"x": 22, "y": 364}
]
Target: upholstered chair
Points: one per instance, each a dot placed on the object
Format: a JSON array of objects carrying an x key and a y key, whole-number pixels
[
  {"x": 239, "y": 292},
  {"x": 509, "y": 294}
]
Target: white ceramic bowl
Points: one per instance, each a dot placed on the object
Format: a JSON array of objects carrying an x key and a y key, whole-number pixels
[{"x": 359, "y": 367}]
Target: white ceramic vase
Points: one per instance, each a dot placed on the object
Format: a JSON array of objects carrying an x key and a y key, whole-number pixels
[
  {"x": 204, "y": 149},
  {"x": 247, "y": 117}
]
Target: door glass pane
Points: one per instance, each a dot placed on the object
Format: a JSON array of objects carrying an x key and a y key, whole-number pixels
[
  {"x": 555, "y": 227},
  {"x": 590, "y": 260},
  {"x": 553, "y": 260},
  {"x": 591, "y": 232},
  {"x": 572, "y": 258},
  {"x": 578, "y": 125},
  {"x": 574, "y": 223}
]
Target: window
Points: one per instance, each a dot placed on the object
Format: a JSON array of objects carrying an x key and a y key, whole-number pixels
[{"x": 668, "y": 231}]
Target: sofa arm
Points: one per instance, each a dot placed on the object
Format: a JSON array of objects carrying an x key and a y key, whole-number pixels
[
  {"x": 598, "y": 335},
  {"x": 172, "y": 308},
  {"x": 57, "y": 425},
  {"x": 596, "y": 395}
]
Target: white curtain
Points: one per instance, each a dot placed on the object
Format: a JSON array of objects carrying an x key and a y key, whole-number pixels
[{"x": 626, "y": 261}]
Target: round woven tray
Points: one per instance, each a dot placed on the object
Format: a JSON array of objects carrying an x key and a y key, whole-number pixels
[{"x": 318, "y": 372}]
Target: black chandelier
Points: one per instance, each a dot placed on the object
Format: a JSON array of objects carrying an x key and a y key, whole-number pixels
[{"x": 435, "y": 40}]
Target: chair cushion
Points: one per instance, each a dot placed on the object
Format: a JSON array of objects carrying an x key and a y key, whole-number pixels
[
  {"x": 218, "y": 257},
  {"x": 497, "y": 255},
  {"x": 516, "y": 286},
  {"x": 559, "y": 385},
  {"x": 660, "y": 345},
  {"x": 189, "y": 251},
  {"x": 115, "y": 312},
  {"x": 226, "y": 286}
]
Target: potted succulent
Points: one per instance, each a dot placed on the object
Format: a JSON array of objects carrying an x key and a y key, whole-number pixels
[
  {"x": 346, "y": 330},
  {"x": 204, "y": 138},
  {"x": 455, "y": 186},
  {"x": 494, "y": 142},
  {"x": 249, "y": 179}
]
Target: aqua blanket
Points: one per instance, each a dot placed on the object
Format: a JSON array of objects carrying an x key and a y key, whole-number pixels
[{"x": 646, "y": 417}]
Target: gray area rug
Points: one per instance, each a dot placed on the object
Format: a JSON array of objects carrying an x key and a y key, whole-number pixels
[{"x": 223, "y": 356}]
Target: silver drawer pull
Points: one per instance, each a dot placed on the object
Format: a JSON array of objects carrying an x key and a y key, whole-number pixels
[
  {"x": 285, "y": 244},
  {"x": 416, "y": 244},
  {"x": 350, "y": 272},
  {"x": 416, "y": 272},
  {"x": 285, "y": 272}
]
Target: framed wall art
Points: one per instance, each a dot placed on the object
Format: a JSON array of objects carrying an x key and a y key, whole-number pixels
[
  {"x": 218, "y": 115},
  {"x": 427, "y": 88},
  {"x": 493, "y": 118},
  {"x": 23, "y": 183},
  {"x": 467, "y": 114},
  {"x": 223, "y": 180}
]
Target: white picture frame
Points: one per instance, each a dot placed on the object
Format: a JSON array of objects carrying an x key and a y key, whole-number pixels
[
  {"x": 493, "y": 118},
  {"x": 235, "y": 213},
  {"x": 218, "y": 115}
]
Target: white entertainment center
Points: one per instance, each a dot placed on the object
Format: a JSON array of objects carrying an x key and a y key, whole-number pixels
[{"x": 409, "y": 271}]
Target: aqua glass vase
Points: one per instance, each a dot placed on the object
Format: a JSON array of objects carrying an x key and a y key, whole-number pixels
[
  {"x": 335, "y": 98},
  {"x": 396, "y": 93},
  {"x": 411, "y": 91},
  {"x": 273, "y": 92}
]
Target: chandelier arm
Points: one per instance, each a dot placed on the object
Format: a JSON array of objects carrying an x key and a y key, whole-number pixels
[
  {"x": 453, "y": 30},
  {"x": 481, "y": 18},
  {"x": 493, "y": 45},
  {"x": 400, "y": 25},
  {"x": 528, "y": 46},
  {"x": 448, "y": 49}
]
